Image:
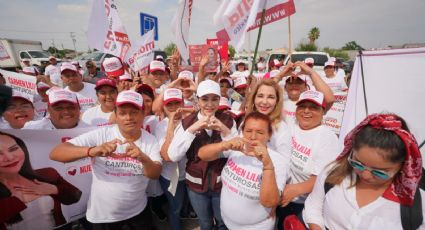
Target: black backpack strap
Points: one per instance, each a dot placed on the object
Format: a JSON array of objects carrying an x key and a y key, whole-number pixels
[
  {"x": 411, "y": 216},
  {"x": 328, "y": 187}
]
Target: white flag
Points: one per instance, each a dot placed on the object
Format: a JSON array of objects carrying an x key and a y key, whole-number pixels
[
  {"x": 180, "y": 28},
  {"x": 106, "y": 32},
  {"x": 236, "y": 17},
  {"x": 142, "y": 53}
]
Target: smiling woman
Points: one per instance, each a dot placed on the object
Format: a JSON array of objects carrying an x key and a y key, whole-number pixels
[
  {"x": 19, "y": 111},
  {"x": 30, "y": 194}
]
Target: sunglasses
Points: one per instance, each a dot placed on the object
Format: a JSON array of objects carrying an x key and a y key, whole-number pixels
[{"x": 380, "y": 174}]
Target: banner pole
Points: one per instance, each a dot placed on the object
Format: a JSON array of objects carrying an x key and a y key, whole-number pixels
[
  {"x": 289, "y": 36},
  {"x": 263, "y": 13}
]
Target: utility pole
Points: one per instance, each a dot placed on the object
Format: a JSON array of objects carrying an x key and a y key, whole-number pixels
[
  {"x": 54, "y": 46},
  {"x": 73, "y": 41}
]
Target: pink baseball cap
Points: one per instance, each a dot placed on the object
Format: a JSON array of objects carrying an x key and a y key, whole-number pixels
[
  {"x": 224, "y": 103},
  {"x": 277, "y": 63},
  {"x": 228, "y": 79},
  {"x": 17, "y": 94},
  {"x": 59, "y": 95},
  {"x": 172, "y": 94},
  {"x": 130, "y": 97},
  {"x": 240, "y": 82},
  {"x": 309, "y": 60},
  {"x": 185, "y": 74},
  {"x": 313, "y": 96},
  {"x": 125, "y": 77},
  {"x": 68, "y": 66},
  {"x": 52, "y": 57},
  {"x": 329, "y": 63},
  {"x": 295, "y": 77},
  {"x": 271, "y": 74},
  {"x": 105, "y": 82},
  {"x": 113, "y": 67},
  {"x": 42, "y": 85},
  {"x": 156, "y": 66}
]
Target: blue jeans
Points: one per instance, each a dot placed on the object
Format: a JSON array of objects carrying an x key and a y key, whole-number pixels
[
  {"x": 174, "y": 202},
  {"x": 207, "y": 207}
]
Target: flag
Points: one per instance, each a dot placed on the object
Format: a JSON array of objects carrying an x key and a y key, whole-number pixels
[
  {"x": 142, "y": 53},
  {"x": 106, "y": 32},
  {"x": 236, "y": 17},
  {"x": 180, "y": 28}
]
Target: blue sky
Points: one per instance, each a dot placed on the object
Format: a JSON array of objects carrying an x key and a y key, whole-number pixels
[{"x": 372, "y": 24}]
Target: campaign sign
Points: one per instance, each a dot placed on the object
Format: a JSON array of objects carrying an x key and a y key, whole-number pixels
[{"x": 147, "y": 23}]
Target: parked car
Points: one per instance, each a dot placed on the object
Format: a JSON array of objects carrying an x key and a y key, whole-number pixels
[{"x": 319, "y": 59}]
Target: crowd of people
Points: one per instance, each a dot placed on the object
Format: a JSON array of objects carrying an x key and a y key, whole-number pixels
[{"x": 248, "y": 151}]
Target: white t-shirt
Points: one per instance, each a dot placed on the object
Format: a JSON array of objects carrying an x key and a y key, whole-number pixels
[
  {"x": 336, "y": 83},
  {"x": 40, "y": 108},
  {"x": 169, "y": 168},
  {"x": 54, "y": 72},
  {"x": 86, "y": 96},
  {"x": 280, "y": 141},
  {"x": 240, "y": 195},
  {"x": 46, "y": 124},
  {"x": 94, "y": 116},
  {"x": 311, "y": 151},
  {"x": 338, "y": 209},
  {"x": 118, "y": 190},
  {"x": 149, "y": 123},
  {"x": 289, "y": 108}
]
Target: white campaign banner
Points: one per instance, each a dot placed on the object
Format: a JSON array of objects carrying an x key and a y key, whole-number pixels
[
  {"x": 25, "y": 84},
  {"x": 3, "y": 52},
  {"x": 236, "y": 17},
  {"x": 142, "y": 53},
  {"x": 333, "y": 118},
  {"x": 106, "y": 31},
  {"x": 392, "y": 84},
  {"x": 72, "y": 181}
]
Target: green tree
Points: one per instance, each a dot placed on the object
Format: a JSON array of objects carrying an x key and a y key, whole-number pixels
[
  {"x": 336, "y": 53},
  {"x": 313, "y": 35},
  {"x": 232, "y": 51},
  {"x": 350, "y": 46},
  {"x": 169, "y": 49},
  {"x": 306, "y": 47}
]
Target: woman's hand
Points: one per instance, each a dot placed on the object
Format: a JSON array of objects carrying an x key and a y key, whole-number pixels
[
  {"x": 259, "y": 150},
  {"x": 199, "y": 125},
  {"x": 37, "y": 188},
  {"x": 204, "y": 61},
  {"x": 236, "y": 144},
  {"x": 216, "y": 124},
  {"x": 304, "y": 67},
  {"x": 289, "y": 193}
]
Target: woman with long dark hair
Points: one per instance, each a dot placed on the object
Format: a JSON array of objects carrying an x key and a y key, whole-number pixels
[{"x": 31, "y": 196}]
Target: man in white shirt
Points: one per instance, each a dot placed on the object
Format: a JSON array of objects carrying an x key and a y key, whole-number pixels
[
  {"x": 124, "y": 157},
  {"x": 64, "y": 112},
  {"x": 85, "y": 92},
  {"x": 53, "y": 72}
]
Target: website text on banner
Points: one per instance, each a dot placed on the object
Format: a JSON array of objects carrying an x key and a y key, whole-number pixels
[
  {"x": 389, "y": 88},
  {"x": 106, "y": 31},
  {"x": 142, "y": 53}
]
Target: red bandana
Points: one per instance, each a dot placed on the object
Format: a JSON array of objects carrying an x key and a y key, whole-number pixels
[{"x": 404, "y": 186}]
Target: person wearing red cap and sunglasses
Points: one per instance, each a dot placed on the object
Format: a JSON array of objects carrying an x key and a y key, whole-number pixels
[
  {"x": 375, "y": 183},
  {"x": 100, "y": 115},
  {"x": 124, "y": 158},
  {"x": 313, "y": 146}
]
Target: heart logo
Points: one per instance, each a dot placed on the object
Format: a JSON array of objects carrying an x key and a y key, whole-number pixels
[{"x": 72, "y": 171}]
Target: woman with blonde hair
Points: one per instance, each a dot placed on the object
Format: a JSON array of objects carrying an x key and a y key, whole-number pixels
[{"x": 266, "y": 97}]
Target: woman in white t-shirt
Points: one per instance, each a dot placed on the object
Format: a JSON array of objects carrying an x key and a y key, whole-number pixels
[
  {"x": 172, "y": 179},
  {"x": 313, "y": 146},
  {"x": 253, "y": 177},
  {"x": 334, "y": 81},
  {"x": 100, "y": 115},
  {"x": 374, "y": 182},
  {"x": 297, "y": 83},
  {"x": 124, "y": 158}
]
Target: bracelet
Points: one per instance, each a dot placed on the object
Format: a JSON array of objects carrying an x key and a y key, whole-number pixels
[{"x": 88, "y": 151}]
